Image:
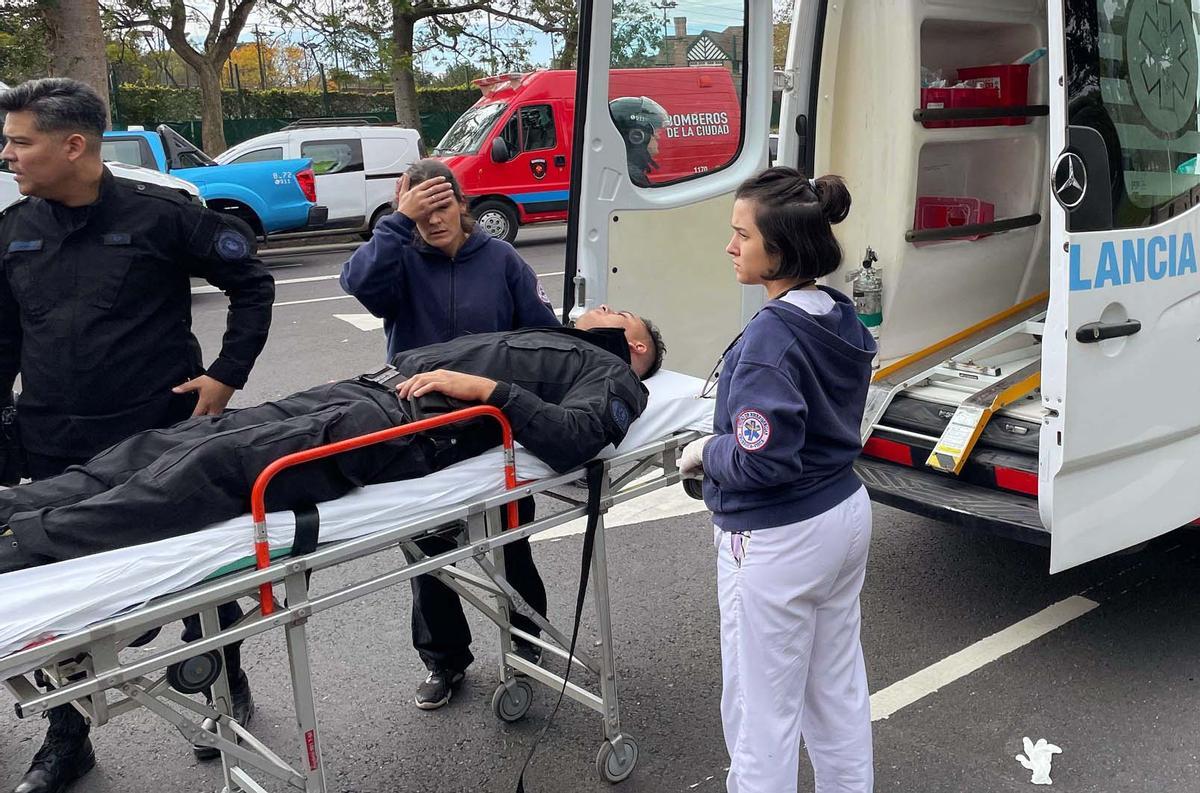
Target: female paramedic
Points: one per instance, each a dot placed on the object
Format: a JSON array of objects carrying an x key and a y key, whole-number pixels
[
  {"x": 792, "y": 521},
  {"x": 432, "y": 276}
]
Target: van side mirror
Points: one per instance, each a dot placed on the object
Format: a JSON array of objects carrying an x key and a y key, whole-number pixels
[{"x": 500, "y": 152}]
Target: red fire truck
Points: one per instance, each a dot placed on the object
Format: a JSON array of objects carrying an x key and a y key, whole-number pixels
[{"x": 511, "y": 151}]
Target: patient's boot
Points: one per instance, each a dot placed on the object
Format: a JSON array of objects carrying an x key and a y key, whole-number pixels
[
  {"x": 65, "y": 756},
  {"x": 243, "y": 712}
]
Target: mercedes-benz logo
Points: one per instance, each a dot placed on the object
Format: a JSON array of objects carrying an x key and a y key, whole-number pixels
[{"x": 1070, "y": 180}]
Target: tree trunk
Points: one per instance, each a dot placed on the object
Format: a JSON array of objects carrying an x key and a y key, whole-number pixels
[
  {"x": 570, "y": 51},
  {"x": 404, "y": 86},
  {"x": 212, "y": 118},
  {"x": 77, "y": 44}
]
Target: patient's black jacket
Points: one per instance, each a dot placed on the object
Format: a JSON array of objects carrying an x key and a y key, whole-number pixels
[{"x": 566, "y": 393}]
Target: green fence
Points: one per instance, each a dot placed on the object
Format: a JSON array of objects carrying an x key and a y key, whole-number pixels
[
  {"x": 252, "y": 113},
  {"x": 433, "y": 125}
]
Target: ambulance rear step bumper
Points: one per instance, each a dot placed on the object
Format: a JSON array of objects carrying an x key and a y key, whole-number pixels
[{"x": 958, "y": 503}]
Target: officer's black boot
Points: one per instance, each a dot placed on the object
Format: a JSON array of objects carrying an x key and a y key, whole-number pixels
[{"x": 65, "y": 756}]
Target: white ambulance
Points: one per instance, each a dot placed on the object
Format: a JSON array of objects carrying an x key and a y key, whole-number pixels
[{"x": 1024, "y": 174}]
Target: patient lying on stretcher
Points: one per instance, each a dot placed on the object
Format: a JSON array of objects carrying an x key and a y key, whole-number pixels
[{"x": 567, "y": 392}]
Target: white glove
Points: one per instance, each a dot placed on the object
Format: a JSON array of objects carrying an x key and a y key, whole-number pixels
[
  {"x": 1038, "y": 760},
  {"x": 691, "y": 462}
]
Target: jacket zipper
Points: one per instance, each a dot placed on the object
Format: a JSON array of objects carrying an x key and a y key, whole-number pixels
[{"x": 453, "y": 304}]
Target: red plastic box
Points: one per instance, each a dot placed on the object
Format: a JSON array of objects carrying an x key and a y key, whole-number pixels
[
  {"x": 1014, "y": 88},
  {"x": 1004, "y": 85},
  {"x": 939, "y": 212}
]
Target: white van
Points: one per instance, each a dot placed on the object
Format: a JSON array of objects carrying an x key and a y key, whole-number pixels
[
  {"x": 356, "y": 167},
  {"x": 9, "y": 192},
  {"x": 1040, "y": 339}
]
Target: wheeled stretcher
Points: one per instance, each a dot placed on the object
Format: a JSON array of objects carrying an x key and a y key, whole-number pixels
[{"x": 73, "y": 622}]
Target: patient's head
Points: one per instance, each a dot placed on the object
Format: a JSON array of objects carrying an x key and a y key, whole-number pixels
[{"x": 646, "y": 346}]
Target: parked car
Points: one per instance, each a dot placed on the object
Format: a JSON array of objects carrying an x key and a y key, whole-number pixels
[
  {"x": 271, "y": 197},
  {"x": 9, "y": 192},
  {"x": 512, "y": 150},
  {"x": 356, "y": 166}
]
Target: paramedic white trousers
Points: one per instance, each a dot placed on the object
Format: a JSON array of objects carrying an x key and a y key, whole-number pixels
[{"x": 791, "y": 657}]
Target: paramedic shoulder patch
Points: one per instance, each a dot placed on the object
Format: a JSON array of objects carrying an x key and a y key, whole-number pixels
[
  {"x": 231, "y": 246},
  {"x": 752, "y": 430},
  {"x": 620, "y": 413}
]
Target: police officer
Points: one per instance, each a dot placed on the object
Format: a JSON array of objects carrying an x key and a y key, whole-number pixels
[
  {"x": 95, "y": 316},
  {"x": 640, "y": 120}
]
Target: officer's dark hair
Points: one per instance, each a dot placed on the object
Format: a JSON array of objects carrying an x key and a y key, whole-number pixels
[
  {"x": 660, "y": 349},
  {"x": 59, "y": 104},
  {"x": 795, "y": 216},
  {"x": 424, "y": 170}
]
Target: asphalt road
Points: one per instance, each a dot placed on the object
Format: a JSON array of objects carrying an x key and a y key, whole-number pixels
[{"x": 1115, "y": 686}]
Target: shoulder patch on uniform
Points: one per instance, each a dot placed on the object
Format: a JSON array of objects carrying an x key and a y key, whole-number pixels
[
  {"x": 24, "y": 245},
  {"x": 619, "y": 410},
  {"x": 752, "y": 430},
  {"x": 541, "y": 293},
  {"x": 231, "y": 246}
]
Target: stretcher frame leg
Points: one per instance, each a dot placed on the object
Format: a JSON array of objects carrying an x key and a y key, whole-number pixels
[{"x": 296, "y": 587}]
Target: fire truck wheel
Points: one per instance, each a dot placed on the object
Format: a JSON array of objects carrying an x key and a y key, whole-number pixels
[{"x": 497, "y": 218}]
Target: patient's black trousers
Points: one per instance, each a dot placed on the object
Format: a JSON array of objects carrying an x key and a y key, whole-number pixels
[
  {"x": 440, "y": 631},
  {"x": 172, "y": 481}
]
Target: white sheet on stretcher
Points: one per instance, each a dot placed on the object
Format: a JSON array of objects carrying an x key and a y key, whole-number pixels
[{"x": 52, "y": 600}]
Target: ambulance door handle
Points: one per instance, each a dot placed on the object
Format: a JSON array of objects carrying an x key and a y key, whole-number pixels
[
  {"x": 560, "y": 160},
  {"x": 1093, "y": 332}
]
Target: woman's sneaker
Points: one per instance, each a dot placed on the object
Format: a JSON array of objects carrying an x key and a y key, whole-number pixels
[{"x": 437, "y": 688}]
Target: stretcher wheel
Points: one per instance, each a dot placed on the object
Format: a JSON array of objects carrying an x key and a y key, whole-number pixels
[
  {"x": 615, "y": 766},
  {"x": 511, "y": 701},
  {"x": 195, "y": 674}
]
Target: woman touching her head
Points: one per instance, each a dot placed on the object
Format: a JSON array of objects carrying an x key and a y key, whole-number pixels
[{"x": 792, "y": 521}]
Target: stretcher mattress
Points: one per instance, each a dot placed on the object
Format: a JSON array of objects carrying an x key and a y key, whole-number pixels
[{"x": 56, "y": 599}]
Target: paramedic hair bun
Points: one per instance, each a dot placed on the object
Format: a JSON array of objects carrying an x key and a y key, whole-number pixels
[
  {"x": 834, "y": 197},
  {"x": 793, "y": 213}
]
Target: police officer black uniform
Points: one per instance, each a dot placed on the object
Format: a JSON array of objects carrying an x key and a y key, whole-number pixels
[
  {"x": 95, "y": 313},
  {"x": 95, "y": 316}
]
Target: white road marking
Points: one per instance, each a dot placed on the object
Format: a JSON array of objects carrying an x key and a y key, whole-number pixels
[
  {"x": 903, "y": 693},
  {"x": 665, "y": 503},
  {"x": 314, "y": 300},
  {"x": 211, "y": 290},
  {"x": 364, "y": 322}
]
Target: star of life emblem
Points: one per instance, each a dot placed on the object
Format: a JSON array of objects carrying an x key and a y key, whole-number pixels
[{"x": 752, "y": 430}]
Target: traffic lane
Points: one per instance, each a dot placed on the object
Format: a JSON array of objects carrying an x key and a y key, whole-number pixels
[
  {"x": 1115, "y": 689},
  {"x": 314, "y": 277},
  {"x": 924, "y": 580},
  {"x": 541, "y": 246}
]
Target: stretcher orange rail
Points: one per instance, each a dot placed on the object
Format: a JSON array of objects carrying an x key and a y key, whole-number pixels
[{"x": 258, "y": 509}]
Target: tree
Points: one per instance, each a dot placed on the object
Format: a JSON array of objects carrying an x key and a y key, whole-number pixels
[
  {"x": 384, "y": 35},
  {"x": 456, "y": 75},
  {"x": 223, "y": 27},
  {"x": 637, "y": 37},
  {"x": 23, "y": 35},
  {"x": 55, "y": 38},
  {"x": 77, "y": 43},
  {"x": 782, "y": 28}
]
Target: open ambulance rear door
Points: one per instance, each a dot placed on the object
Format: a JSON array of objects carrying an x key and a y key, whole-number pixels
[
  {"x": 1120, "y": 445},
  {"x": 659, "y": 250}
]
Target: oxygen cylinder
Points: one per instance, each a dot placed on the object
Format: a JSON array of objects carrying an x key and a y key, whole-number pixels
[{"x": 868, "y": 296}]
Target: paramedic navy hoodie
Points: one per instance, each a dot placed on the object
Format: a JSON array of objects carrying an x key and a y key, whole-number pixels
[
  {"x": 425, "y": 297},
  {"x": 789, "y": 405}
]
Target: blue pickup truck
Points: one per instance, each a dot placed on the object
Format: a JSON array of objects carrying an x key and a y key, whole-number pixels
[{"x": 271, "y": 197}]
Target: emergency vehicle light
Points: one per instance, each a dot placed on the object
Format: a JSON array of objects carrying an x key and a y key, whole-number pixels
[{"x": 498, "y": 82}]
